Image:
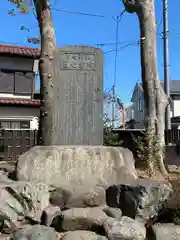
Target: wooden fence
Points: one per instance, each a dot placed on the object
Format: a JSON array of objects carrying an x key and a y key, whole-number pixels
[
  {"x": 15, "y": 142},
  {"x": 172, "y": 136},
  {"x": 127, "y": 136}
]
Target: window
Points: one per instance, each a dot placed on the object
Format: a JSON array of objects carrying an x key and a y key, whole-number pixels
[
  {"x": 175, "y": 97},
  {"x": 23, "y": 82},
  {"x": 139, "y": 104},
  {"x": 6, "y": 82},
  {"x": 25, "y": 125},
  {"x": 12, "y": 125},
  {"x": 16, "y": 82},
  {"x": 171, "y": 105},
  {"x": 132, "y": 114}
]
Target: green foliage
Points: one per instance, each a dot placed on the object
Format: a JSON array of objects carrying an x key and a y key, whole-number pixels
[
  {"x": 149, "y": 148},
  {"x": 23, "y": 28},
  {"x": 110, "y": 138},
  {"x": 24, "y": 7},
  {"x": 21, "y": 5},
  {"x": 130, "y": 6}
]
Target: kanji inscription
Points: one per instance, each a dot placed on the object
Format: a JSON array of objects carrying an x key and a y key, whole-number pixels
[{"x": 78, "y": 61}]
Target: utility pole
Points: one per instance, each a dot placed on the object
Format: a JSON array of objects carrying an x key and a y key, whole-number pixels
[
  {"x": 166, "y": 63},
  {"x": 113, "y": 106},
  {"x": 117, "y": 20}
]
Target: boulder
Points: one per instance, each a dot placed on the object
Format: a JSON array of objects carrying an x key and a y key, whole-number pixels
[
  {"x": 170, "y": 212},
  {"x": 4, "y": 177},
  {"x": 126, "y": 228},
  {"x": 83, "y": 197},
  {"x": 92, "y": 197},
  {"x": 142, "y": 199},
  {"x": 5, "y": 237},
  {"x": 165, "y": 231},
  {"x": 83, "y": 219},
  {"x": 113, "y": 212},
  {"x": 83, "y": 235},
  {"x": 50, "y": 214},
  {"x": 37, "y": 196},
  {"x": 19, "y": 200},
  {"x": 68, "y": 167},
  {"x": 60, "y": 235},
  {"x": 59, "y": 197},
  {"x": 36, "y": 232}
]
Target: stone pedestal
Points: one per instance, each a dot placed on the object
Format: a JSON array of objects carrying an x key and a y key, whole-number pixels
[{"x": 70, "y": 167}]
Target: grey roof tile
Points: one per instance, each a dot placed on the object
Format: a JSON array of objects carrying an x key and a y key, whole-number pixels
[{"x": 174, "y": 85}]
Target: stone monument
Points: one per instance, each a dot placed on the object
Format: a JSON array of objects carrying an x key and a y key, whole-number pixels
[
  {"x": 78, "y": 91},
  {"x": 77, "y": 160}
]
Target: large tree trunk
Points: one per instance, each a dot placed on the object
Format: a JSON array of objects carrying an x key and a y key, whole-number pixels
[
  {"x": 48, "y": 45},
  {"x": 155, "y": 99},
  {"x": 161, "y": 103},
  {"x": 148, "y": 64}
]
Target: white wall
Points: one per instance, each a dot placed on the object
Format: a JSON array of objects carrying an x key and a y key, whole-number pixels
[
  {"x": 139, "y": 118},
  {"x": 138, "y": 115},
  {"x": 20, "y": 113},
  {"x": 9, "y": 95},
  {"x": 34, "y": 123},
  {"x": 176, "y": 108},
  {"x": 129, "y": 112}
]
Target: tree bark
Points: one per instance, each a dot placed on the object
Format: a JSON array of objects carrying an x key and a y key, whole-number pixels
[
  {"x": 155, "y": 99},
  {"x": 161, "y": 103},
  {"x": 48, "y": 46}
]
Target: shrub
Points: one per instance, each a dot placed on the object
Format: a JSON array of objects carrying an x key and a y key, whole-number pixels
[
  {"x": 110, "y": 138},
  {"x": 149, "y": 147}
]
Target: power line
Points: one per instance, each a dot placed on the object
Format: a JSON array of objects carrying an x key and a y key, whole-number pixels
[
  {"x": 25, "y": 43},
  {"x": 115, "y": 70},
  {"x": 114, "y": 43},
  {"x": 122, "y": 48},
  {"x": 105, "y": 70},
  {"x": 121, "y": 42},
  {"x": 77, "y": 13},
  {"x": 14, "y": 43},
  {"x": 71, "y": 12},
  {"x": 116, "y": 49},
  {"x": 117, "y": 20},
  {"x": 159, "y": 26},
  {"x": 135, "y": 43},
  {"x": 54, "y": 3}
]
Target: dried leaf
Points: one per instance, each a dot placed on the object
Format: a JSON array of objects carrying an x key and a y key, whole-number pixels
[
  {"x": 11, "y": 12},
  {"x": 35, "y": 40}
]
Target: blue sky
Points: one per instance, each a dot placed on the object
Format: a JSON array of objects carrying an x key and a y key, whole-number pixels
[{"x": 78, "y": 29}]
